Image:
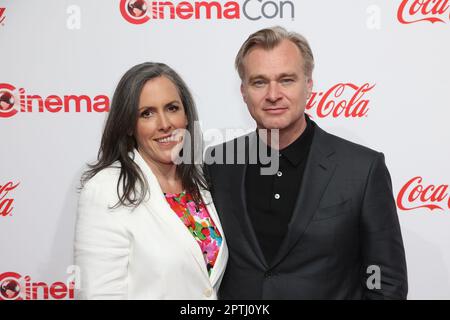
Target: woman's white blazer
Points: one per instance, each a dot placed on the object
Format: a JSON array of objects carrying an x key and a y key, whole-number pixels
[{"x": 144, "y": 252}]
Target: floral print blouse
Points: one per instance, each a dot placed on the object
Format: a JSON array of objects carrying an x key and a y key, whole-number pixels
[{"x": 198, "y": 221}]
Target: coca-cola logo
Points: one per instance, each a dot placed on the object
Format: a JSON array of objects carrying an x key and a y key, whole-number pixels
[
  {"x": 13, "y": 101},
  {"x": 6, "y": 199},
  {"x": 141, "y": 11},
  {"x": 2, "y": 15},
  {"x": 412, "y": 11},
  {"x": 341, "y": 100},
  {"x": 415, "y": 195}
]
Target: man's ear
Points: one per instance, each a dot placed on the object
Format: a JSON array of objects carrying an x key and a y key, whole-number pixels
[
  {"x": 243, "y": 93},
  {"x": 309, "y": 87}
]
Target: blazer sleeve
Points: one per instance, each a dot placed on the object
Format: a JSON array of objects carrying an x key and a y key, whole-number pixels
[
  {"x": 382, "y": 244},
  {"x": 101, "y": 246}
]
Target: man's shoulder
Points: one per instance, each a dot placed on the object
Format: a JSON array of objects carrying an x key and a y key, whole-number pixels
[
  {"x": 229, "y": 151},
  {"x": 324, "y": 140},
  {"x": 349, "y": 149},
  {"x": 233, "y": 142}
]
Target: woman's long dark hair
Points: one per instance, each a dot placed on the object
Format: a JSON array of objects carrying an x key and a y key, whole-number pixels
[{"x": 118, "y": 136}]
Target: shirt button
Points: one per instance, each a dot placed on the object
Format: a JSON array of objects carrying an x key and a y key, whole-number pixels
[
  {"x": 279, "y": 173},
  {"x": 208, "y": 293},
  {"x": 277, "y": 196}
]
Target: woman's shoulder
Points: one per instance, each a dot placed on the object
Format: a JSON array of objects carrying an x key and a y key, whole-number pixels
[
  {"x": 100, "y": 191},
  {"x": 105, "y": 180}
]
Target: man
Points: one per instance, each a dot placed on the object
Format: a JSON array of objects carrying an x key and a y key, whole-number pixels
[{"x": 325, "y": 225}]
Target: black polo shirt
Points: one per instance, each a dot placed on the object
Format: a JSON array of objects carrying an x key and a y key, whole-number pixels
[{"x": 271, "y": 198}]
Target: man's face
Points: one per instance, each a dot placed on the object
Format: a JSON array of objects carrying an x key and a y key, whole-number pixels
[{"x": 275, "y": 88}]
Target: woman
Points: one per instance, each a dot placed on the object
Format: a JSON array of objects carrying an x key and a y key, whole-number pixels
[{"x": 146, "y": 227}]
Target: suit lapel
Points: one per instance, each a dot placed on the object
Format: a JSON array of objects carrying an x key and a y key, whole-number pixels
[
  {"x": 318, "y": 172},
  {"x": 157, "y": 204},
  {"x": 237, "y": 189},
  {"x": 247, "y": 225}
]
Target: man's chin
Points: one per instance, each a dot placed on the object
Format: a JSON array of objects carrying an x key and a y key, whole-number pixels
[{"x": 273, "y": 125}]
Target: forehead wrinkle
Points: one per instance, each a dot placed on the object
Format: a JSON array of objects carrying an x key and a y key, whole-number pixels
[{"x": 275, "y": 59}]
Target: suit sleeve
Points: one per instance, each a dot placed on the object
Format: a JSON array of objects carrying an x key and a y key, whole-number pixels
[
  {"x": 382, "y": 244},
  {"x": 101, "y": 247}
]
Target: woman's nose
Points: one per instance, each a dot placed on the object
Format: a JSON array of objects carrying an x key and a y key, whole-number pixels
[{"x": 164, "y": 123}]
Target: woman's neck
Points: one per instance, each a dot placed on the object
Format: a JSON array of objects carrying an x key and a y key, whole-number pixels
[{"x": 166, "y": 174}]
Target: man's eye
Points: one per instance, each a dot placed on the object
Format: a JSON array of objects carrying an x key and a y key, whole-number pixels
[
  {"x": 287, "y": 81},
  {"x": 258, "y": 83}
]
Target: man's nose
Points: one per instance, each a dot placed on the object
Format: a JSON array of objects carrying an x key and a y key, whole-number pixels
[{"x": 274, "y": 92}]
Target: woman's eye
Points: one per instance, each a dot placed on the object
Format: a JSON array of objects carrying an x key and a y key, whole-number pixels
[
  {"x": 173, "y": 108},
  {"x": 146, "y": 113}
]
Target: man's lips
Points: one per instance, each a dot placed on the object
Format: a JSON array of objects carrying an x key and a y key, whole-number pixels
[{"x": 275, "y": 110}]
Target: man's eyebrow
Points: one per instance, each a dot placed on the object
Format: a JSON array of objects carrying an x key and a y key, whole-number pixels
[
  {"x": 257, "y": 76},
  {"x": 290, "y": 75},
  {"x": 281, "y": 75}
]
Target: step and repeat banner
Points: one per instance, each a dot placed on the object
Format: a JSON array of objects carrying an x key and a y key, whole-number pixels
[{"x": 381, "y": 79}]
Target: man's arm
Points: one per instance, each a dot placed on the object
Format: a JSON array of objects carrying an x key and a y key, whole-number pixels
[{"x": 382, "y": 244}]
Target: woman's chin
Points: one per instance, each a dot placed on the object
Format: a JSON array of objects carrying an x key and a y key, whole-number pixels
[{"x": 168, "y": 159}]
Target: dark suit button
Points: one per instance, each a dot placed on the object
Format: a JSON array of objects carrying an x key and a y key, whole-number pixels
[{"x": 268, "y": 274}]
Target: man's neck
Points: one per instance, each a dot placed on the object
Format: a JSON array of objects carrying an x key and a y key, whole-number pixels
[{"x": 285, "y": 136}]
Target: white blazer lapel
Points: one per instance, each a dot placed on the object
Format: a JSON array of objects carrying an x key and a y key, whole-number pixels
[{"x": 158, "y": 204}]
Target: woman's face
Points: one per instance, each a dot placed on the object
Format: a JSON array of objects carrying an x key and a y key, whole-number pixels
[{"x": 161, "y": 112}]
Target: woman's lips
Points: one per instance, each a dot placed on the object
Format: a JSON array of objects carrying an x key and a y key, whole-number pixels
[{"x": 169, "y": 140}]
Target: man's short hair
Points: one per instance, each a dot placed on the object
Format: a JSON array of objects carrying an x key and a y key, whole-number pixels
[{"x": 268, "y": 39}]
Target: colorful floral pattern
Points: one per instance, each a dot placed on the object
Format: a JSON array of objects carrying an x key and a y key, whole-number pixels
[{"x": 198, "y": 221}]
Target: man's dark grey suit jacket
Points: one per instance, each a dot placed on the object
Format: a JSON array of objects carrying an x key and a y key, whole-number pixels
[{"x": 344, "y": 221}]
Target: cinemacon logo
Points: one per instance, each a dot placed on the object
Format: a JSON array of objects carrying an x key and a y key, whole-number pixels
[
  {"x": 141, "y": 11},
  {"x": 14, "y": 286},
  {"x": 416, "y": 194},
  {"x": 12, "y": 103},
  {"x": 412, "y": 11}
]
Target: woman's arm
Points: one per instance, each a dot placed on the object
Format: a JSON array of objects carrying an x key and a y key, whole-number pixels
[{"x": 101, "y": 245}]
